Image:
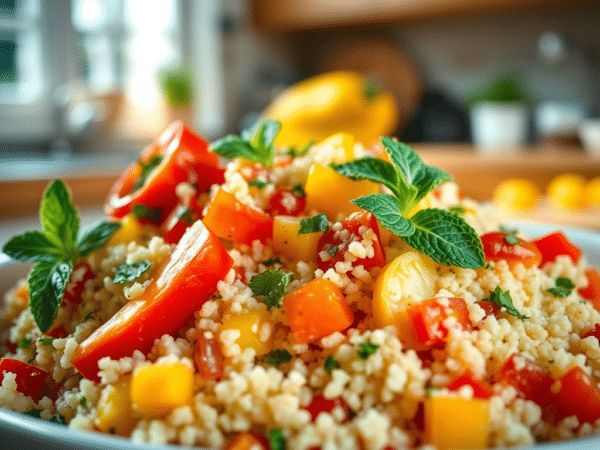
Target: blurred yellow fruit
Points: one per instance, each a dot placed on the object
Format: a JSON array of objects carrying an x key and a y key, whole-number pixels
[
  {"x": 567, "y": 191},
  {"x": 592, "y": 192},
  {"x": 517, "y": 194}
]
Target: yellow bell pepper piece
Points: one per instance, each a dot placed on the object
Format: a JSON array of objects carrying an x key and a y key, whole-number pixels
[
  {"x": 342, "y": 145},
  {"x": 330, "y": 192},
  {"x": 407, "y": 280},
  {"x": 330, "y": 103},
  {"x": 249, "y": 324},
  {"x": 132, "y": 230},
  {"x": 287, "y": 241},
  {"x": 159, "y": 388},
  {"x": 456, "y": 423},
  {"x": 114, "y": 413}
]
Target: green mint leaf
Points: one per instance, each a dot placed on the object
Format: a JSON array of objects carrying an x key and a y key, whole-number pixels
[
  {"x": 276, "y": 439},
  {"x": 147, "y": 168},
  {"x": 145, "y": 212},
  {"x": 446, "y": 238},
  {"x": 59, "y": 218},
  {"x": 314, "y": 224},
  {"x": 129, "y": 272},
  {"x": 386, "y": 208},
  {"x": 366, "y": 349},
  {"x": 563, "y": 287},
  {"x": 24, "y": 343},
  {"x": 259, "y": 183},
  {"x": 510, "y": 239},
  {"x": 46, "y": 340},
  {"x": 47, "y": 281},
  {"x": 272, "y": 261},
  {"x": 255, "y": 144},
  {"x": 265, "y": 137},
  {"x": 96, "y": 236},
  {"x": 331, "y": 363},
  {"x": 233, "y": 146},
  {"x": 504, "y": 300},
  {"x": 458, "y": 210},
  {"x": 82, "y": 401},
  {"x": 278, "y": 357},
  {"x": 372, "y": 169},
  {"x": 296, "y": 153},
  {"x": 271, "y": 284},
  {"x": 508, "y": 229},
  {"x": 32, "y": 246},
  {"x": 298, "y": 191},
  {"x": 34, "y": 413},
  {"x": 413, "y": 171}
]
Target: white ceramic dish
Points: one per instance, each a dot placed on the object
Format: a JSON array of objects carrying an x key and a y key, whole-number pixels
[{"x": 18, "y": 431}]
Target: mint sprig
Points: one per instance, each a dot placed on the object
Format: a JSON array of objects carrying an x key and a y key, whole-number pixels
[
  {"x": 55, "y": 250},
  {"x": 504, "y": 300},
  {"x": 563, "y": 287},
  {"x": 129, "y": 272},
  {"x": 314, "y": 224},
  {"x": 271, "y": 284},
  {"x": 443, "y": 236},
  {"x": 254, "y": 144}
]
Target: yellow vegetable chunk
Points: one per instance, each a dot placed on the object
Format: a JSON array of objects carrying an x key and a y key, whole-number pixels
[
  {"x": 456, "y": 423},
  {"x": 159, "y": 388},
  {"x": 517, "y": 194},
  {"x": 288, "y": 242},
  {"x": 567, "y": 191},
  {"x": 342, "y": 145},
  {"x": 592, "y": 192},
  {"x": 407, "y": 280},
  {"x": 114, "y": 413},
  {"x": 330, "y": 192},
  {"x": 249, "y": 325},
  {"x": 131, "y": 230}
]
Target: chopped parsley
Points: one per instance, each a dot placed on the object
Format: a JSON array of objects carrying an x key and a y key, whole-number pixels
[
  {"x": 314, "y": 224},
  {"x": 333, "y": 250},
  {"x": 366, "y": 349},
  {"x": 145, "y": 212},
  {"x": 508, "y": 230},
  {"x": 563, "y": 287},
  {"x": 272, "y": 261},
  {"x": 129, "y": 272},
  {"x": 276, "y": 439},
  {"x": 504, "y": 300},
  {"x": 510, "y": 239},
  {"x": 147, "y": 168},
  {"x": 278, "y": 357},
  {"x": 46, "y": 340},
  {"x": 298, "y": 191},
  {"x": 259, "y": 183},
  {"x": 24, "y": 343},
  {"x": 271, "y": 284},
  {"x": 330, "y": 363},
  {"x": 82, "y": 401}
]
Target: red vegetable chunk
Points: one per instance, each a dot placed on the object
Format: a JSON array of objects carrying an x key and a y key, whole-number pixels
[
  {"x": 82, "y": 272},
  {"x": 208, "y": 357},
  {"x": 285, "y": 202},
  {"x": 579, "y": 396},
  {"x": 321, "y": 404},
  {"x": 432, "y": 319},
  {"x": 529, "y": 379},
  {"x": 183, "y": 283},
  {"x": 556, "y": 244},
  {"x": 30, "y": 379},
  {"x": 499, "y": 246},
  {"x": 592, "y": 291},
  {"x": 481, "y": 389}
]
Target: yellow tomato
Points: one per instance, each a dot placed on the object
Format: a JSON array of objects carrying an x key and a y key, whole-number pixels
[
  {"x": 592, "y": 192},
  {"x": 517, "y": 194},
  {"x": 567, "y": 191}
]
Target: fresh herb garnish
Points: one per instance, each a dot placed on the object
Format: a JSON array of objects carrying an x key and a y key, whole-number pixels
[
  {"x": 563, "y": 287},
  {"x": 278, "y": 357},
  {"x": 129, "y": 272},
  {"x": 186, "y": 215},
  {"x": 145, "y": 212},
  {"x": 298, "y": 191},
  {"x": 58, "y": 418},
  {"x": 255, "y": 144},
  {"x": 314, "y": 224},
  {"x": 272, "y": 261},
  {"x": 296, "y": 153},
  {"x": 55, "y": 250},
  {"x": 271, "y": 284},
  {"x": 443, "y": 236},
  {"x": 46, "y": 340},
  {"x": 331, "y": 363},
  {"x": 510, "y": 239},
  {"x": 147, "y": 168},
  {"x": 504, "y": 300},
  {"x": 259, "y": 183},
  {"x": 430, "y": 391},
  {"x": 24, "y": 343},
  {"x": 276, "y": 439},
  {"x": 458, "y": 210},
  {"x": 509, "y": 230},
  {"x": 34, "y": 413},
  {"x": 333, "y": 250},
  {"x": 82, "y": 401},
  {"x": 366, "y": 349}
]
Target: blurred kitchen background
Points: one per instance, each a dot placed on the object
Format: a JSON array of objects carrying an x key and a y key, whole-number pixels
[{"x": 86, "y": 84}]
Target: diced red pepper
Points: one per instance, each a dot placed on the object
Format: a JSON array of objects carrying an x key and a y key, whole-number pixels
[
  {"x": 182, "y": 284},
  {"x": 179, "y": 155},
  {"x": 481, "y": 389},
  {"x": 82, "y": 272},
  {"x": 498, "y": 246},
  {"x": 248, "y": 441},
  {"x": 29, "y": 378},
  {"x": 529, "y": 379},
  {"x": 491, "y": 309},
  {"x": 578, "y": 395},
  {"x": 337, "y": 243},
  {"x": 181, "y": 218},
  {"x": 57, "y": 332},
  {"x": 432, "y": 319},
  {"x": 592, "y": 291},
  {"x": 556, "y": 244},
  {"x": 286, "y": 202},
  {"x": 231, "y": 219},
  {"x": 595, "y": 332},
  {"x": 208, "y": 357},
  {"x": 321, "y": 404}
]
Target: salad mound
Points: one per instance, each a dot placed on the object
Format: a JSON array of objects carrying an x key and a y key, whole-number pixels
[{"x": 244, "y": 295}]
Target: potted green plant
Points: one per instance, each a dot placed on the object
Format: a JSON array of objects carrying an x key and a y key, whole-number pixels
[{"x": 499, "y": 114}]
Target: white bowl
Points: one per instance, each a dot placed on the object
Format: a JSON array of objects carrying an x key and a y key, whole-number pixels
[{"x": 589, "y": 134}]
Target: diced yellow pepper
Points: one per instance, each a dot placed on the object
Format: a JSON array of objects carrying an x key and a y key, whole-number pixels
[
  {"x": 330, "y": 192},
  {"x": 159, "y": 388},
  {"x": 467, "y": 429},
  {"x": 132, "y": 230},
  {"x": 407, "y": 280},
  {"x": 114, "y": 413},
  {"x": 288, "y": 242},
  {"x": 343, "y": 147},
  {"x": 249, "y": 324}
]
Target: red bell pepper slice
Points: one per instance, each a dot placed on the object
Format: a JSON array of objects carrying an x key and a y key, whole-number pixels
[
  {"x": 178, "y": 155},
  {"x": 321, "y": 404},
  {"x": 556, "y": 244},
  {"x": 181, "y": 218},
  {"x": 336, "y": 243},
  {"x": 592, "y": 291},
  {"x": 529, "y": 379},
  {"x": 498, "y": 246},
  {"x": 231, "y": 219},
  {"x": 182, "y": 284},
  {"x": 481, "y": 389},
  {"x": 30, "y": 379},
  {"x": 432, "y": 319},
  {"x": 578, "y": 395}
]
